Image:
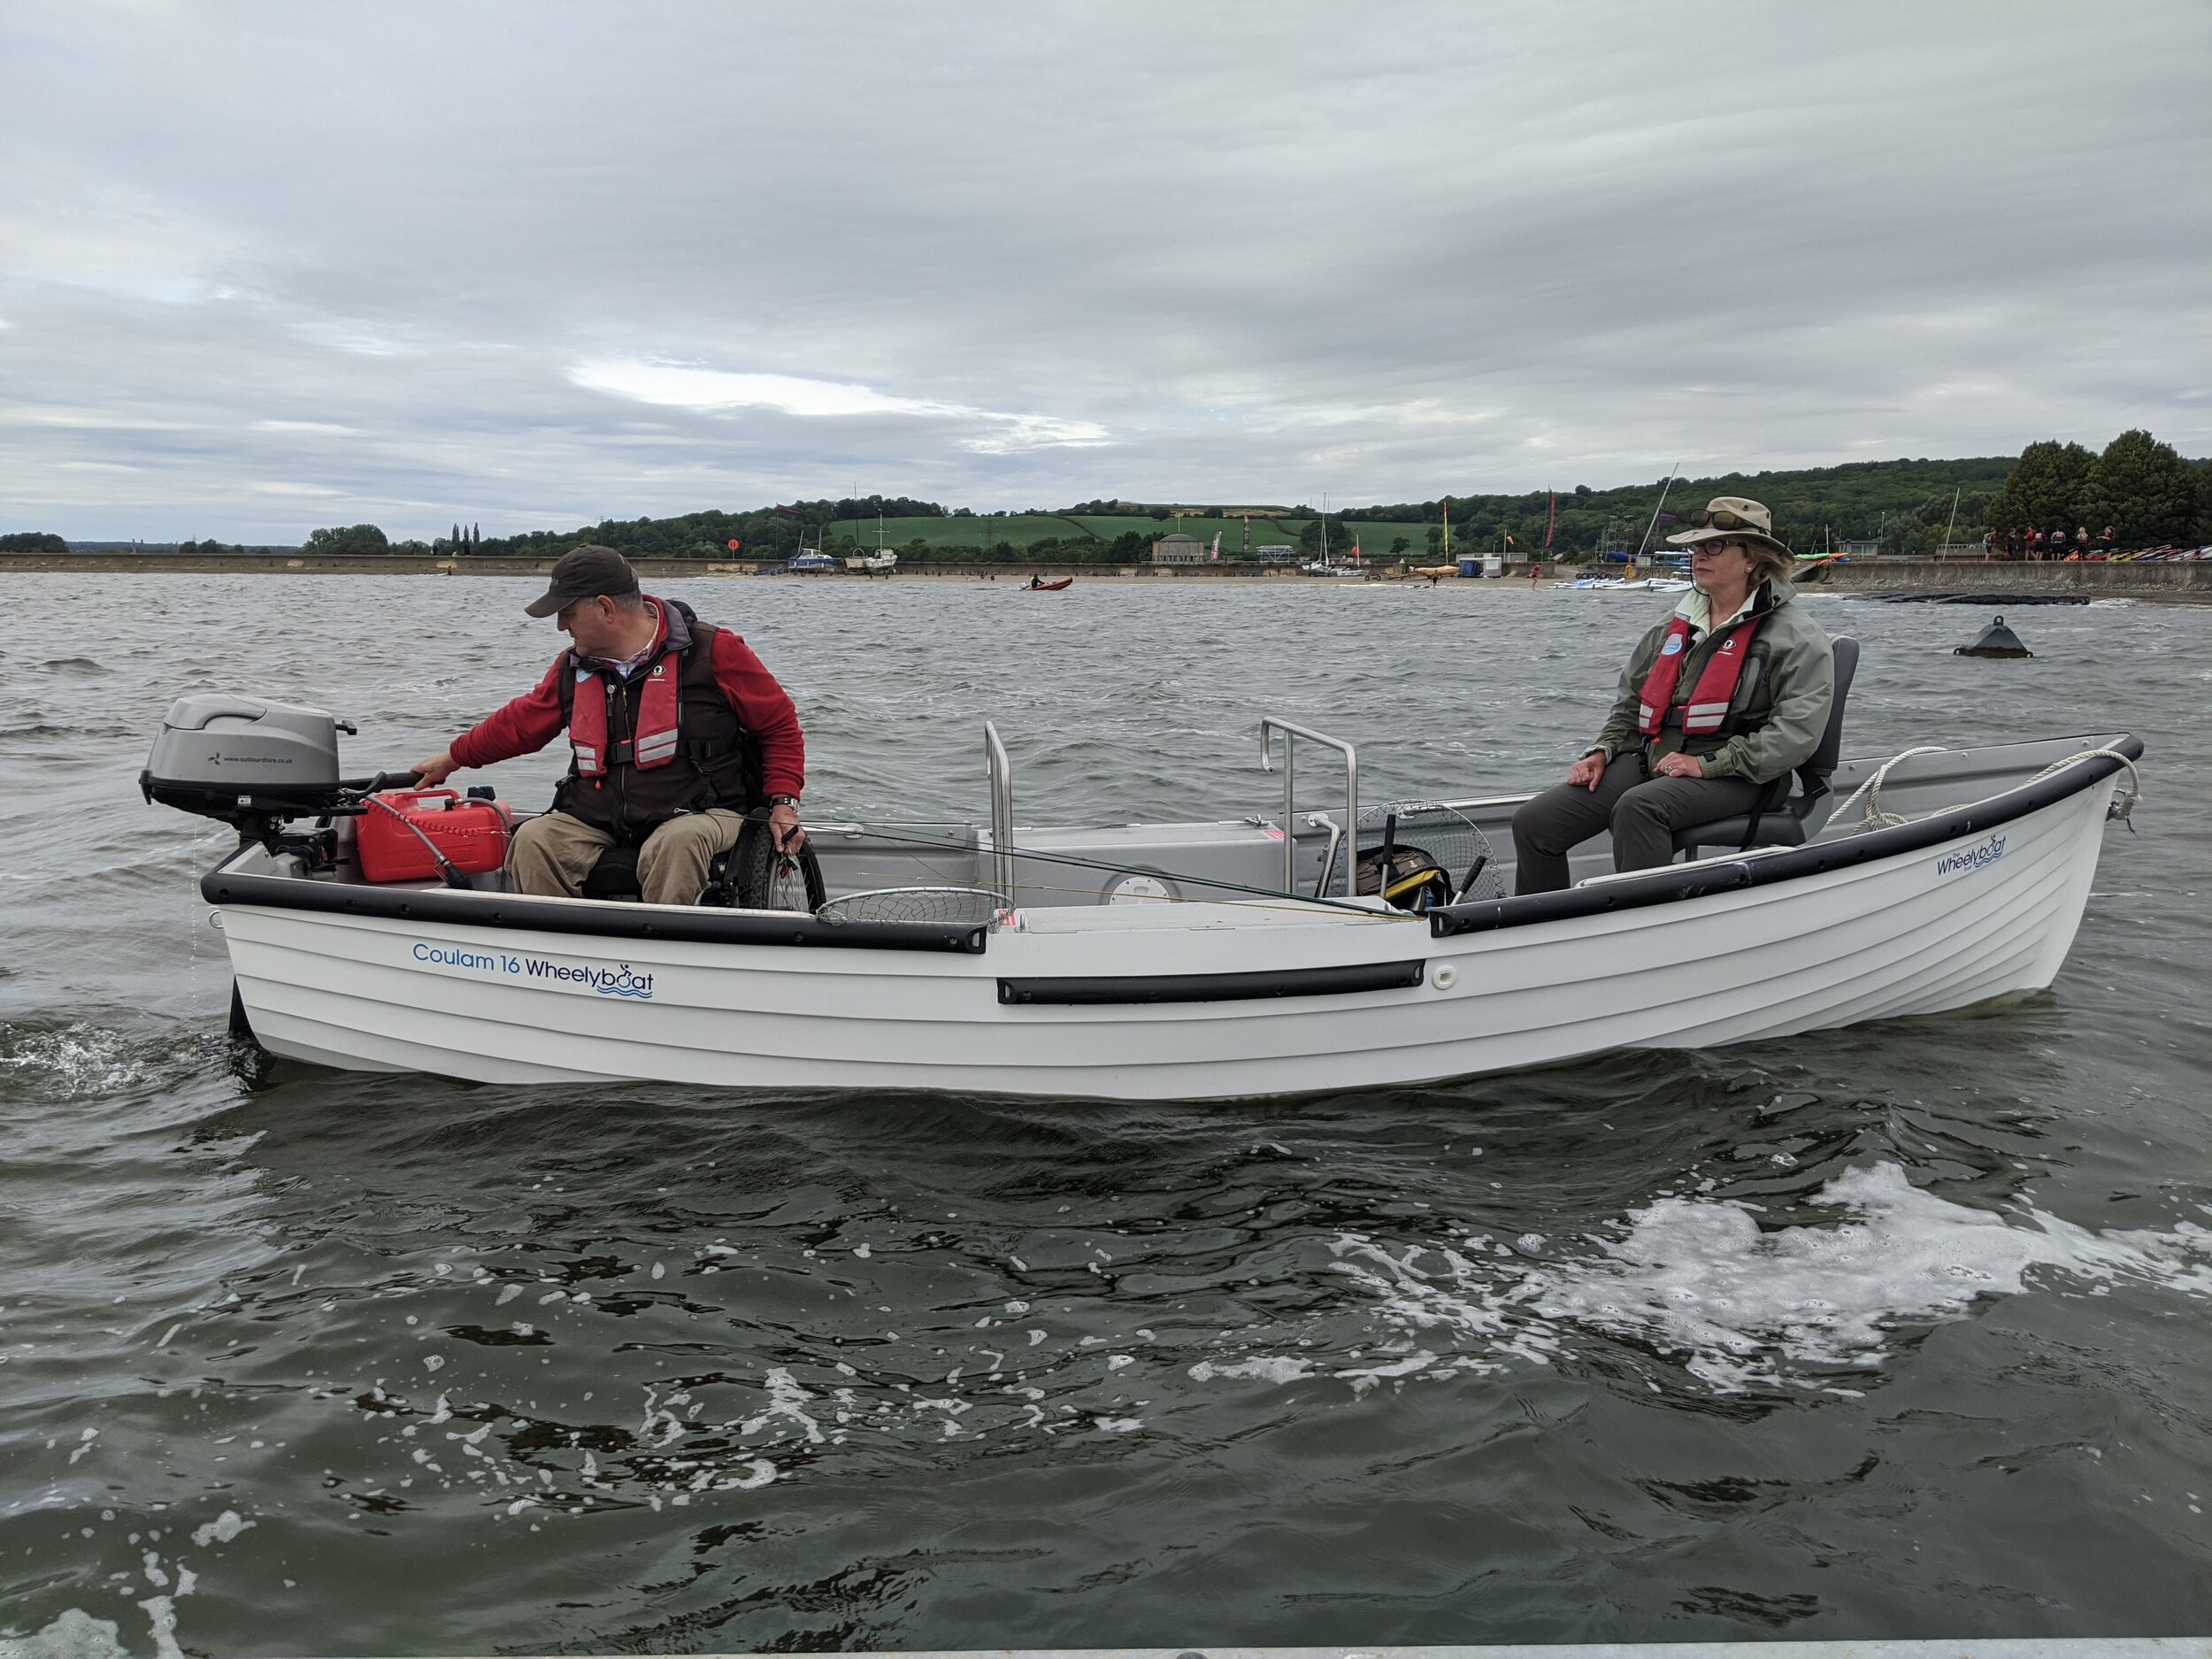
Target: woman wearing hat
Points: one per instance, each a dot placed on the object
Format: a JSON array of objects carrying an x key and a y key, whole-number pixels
[{"x": 1719, "y": 704}]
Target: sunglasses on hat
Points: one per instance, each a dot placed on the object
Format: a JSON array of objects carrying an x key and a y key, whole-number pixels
[{"x": 1704, "y": 519}]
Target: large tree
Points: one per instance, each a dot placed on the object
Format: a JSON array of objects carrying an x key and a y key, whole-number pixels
[
  {"x": 2047, "y": 489},
  {"x": 349, "y": 541},
  {"x": 2143, "y": 489}
]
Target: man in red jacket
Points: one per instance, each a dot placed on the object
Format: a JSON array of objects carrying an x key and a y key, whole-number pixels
[{"x": 675, "y": 730}]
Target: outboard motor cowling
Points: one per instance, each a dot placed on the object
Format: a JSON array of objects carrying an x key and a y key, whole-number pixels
[{"x": 244, "y": 760}]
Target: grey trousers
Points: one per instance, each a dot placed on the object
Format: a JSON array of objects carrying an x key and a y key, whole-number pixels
[
  {"x": 1642, "y": 811},
  {"x": 551, "y": 854}
]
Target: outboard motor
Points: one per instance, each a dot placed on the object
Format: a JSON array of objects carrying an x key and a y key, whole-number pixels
[{"x": 251, "y": 762}]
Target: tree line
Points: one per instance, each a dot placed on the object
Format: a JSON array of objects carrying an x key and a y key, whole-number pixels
[
  {"x": 2138, "y": 487},
  {"x": 2148, "y": 492}
]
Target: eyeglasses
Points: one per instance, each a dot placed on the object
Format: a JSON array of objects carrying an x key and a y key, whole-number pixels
[{"x": 1705, "y": 519}]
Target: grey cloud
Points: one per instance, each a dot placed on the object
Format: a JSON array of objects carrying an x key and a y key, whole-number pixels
[{"x": 1233, "y": 251}]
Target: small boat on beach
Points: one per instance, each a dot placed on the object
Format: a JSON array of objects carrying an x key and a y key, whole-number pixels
[{"x": 1357, "y": 946}]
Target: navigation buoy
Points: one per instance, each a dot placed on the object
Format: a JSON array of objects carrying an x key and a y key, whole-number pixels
[{"x": 1996, "y": 640}]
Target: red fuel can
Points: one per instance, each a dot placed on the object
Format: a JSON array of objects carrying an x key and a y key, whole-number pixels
[{"x": 402, "y": 825}]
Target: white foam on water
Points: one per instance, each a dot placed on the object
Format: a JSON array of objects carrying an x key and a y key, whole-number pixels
[
  {"x": 223, "y": 1528},
  {"x": 1696, "y": 1277},
  {"x": 1260, "y": 1368},
  {"x": 161, "y": 1619},
  {"x": 79, "y": 1061},
  {"x": 787, "y": 1399},
  {"x": 74, "y": 1634}
]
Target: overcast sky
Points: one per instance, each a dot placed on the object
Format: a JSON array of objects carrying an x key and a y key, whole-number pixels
[{"x": 269, "y": 266}]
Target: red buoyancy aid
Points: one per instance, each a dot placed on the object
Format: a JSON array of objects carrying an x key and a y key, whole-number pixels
[
  {"x": 1715, "y": 688},
  {"x": 656, "y": 723}
]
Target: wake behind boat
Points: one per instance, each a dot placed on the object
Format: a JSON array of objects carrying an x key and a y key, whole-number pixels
[{"x": 1241, "y": 957}]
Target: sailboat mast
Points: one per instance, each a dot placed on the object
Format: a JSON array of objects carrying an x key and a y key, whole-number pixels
[{"x": 1656, "y": 512}]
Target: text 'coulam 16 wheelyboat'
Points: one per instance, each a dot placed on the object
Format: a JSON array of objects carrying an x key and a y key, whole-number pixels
[{"x": 1334, "y": 949}]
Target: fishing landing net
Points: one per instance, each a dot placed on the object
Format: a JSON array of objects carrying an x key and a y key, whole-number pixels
[
  {"x": 1420, "y": 854},
  {"x": 942, "y": 907}
]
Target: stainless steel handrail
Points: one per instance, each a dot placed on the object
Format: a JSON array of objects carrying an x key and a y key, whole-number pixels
[
  {"x": 1322, "y": 820},
  {"x": 1002, "y": 773},
  {"x": 1269, "y": 727}
]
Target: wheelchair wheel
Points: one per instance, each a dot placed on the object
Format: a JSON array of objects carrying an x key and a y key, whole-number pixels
[{"x": 757, "y": 877}]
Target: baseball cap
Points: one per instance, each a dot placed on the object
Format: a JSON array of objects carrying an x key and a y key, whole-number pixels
[{"x": 584, "y": 572}]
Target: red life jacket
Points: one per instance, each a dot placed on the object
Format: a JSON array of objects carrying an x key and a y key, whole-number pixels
[
  {"x": 663, "y": 741},
  {"x": 1715, "y": 688},
  {"x": 656, "y": 718}
]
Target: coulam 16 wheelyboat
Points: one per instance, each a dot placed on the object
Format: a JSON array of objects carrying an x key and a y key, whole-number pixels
[{"x": 1316, "y": 949}]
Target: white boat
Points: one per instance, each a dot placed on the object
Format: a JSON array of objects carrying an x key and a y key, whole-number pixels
[{"x": 1158, "y": 962}]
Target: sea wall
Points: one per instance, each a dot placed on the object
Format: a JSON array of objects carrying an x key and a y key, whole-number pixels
[{"x": 2191, "y": 582}]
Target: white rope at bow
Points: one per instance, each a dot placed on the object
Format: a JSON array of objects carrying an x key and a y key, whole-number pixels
[{"x": 1875, "y": 817}]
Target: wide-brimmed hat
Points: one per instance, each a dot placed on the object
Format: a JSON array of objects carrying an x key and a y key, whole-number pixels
[
  {"x": 584, "y": 572},
  {"x": 1729, "y": 516}
]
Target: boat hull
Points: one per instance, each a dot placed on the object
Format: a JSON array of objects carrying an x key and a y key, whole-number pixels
[{"x": 1984, "y": 914}]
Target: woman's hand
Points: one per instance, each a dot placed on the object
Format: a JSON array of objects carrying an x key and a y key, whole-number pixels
[
  {"x": 1679, "y": 766},
  {"x": 1589, "y": 771}
]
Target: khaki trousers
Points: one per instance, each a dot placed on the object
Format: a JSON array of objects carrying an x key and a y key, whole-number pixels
[
  {"x": 1642, "y": 811},
  {"x": 551, "y": 855}
]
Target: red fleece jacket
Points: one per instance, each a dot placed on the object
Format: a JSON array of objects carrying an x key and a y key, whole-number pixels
[{"x": 534, "y": 720}]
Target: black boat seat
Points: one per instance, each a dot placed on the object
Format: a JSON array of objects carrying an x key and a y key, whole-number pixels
[
  {"x": 615, "y": 875},
  {"x": 1798, "y": 819}
]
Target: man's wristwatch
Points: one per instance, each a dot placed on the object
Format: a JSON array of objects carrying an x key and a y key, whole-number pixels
[{"x": 791, "y": 801}]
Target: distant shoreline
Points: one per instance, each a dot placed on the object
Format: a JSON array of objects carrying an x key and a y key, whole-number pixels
[{"x": 2178, "y": 584}]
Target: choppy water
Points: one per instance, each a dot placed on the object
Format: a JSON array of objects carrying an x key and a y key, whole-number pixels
[{"x": 1896, "y": 1331}]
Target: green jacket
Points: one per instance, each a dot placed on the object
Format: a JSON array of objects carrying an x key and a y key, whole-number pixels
[{"x": 1780, "y": 709}]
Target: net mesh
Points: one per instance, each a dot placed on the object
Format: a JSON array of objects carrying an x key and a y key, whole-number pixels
[
  {"x": 944, "y": 907},
  {"x": 1424, "y": 836}
]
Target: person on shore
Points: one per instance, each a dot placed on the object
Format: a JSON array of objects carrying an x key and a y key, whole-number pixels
[
  {"x": 676, "y": 730},
  {"x": 1719, "y": 704}
]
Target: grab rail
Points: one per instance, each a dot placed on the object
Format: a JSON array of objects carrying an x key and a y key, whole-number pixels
[
  {"x": 1322, "y": 820},
  {"x": 1002, "y": 774},
  {"x": 1269, "y": 727}
]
